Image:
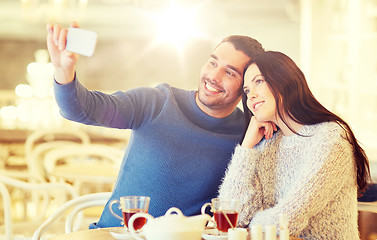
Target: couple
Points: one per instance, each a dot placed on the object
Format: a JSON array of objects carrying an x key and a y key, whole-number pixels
[{"x": 286, "y": 154}]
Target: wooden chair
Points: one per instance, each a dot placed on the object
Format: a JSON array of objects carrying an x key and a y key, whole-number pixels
[
  {"x": 36, "y": 168},
  {"x": 51, "y": 193},
  {"x": 36, "y": 145},
  {"x": 74, "y": 207},
  {"x": 55, "y": 137},
  {"x": 63, "y": 135},
  {"x": 95, "y": 165}
]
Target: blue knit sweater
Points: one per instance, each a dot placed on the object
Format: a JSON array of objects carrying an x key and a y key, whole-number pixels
[{"x": 177, "y": 154}]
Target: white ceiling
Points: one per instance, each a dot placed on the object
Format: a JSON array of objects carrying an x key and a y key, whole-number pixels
[{"x": 129, "y": 18}]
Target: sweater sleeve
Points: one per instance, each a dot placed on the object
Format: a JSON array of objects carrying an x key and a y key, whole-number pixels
[
  {"x": 118, "y": 110},
  {"x": 332, "y": 167},
  {"x": 241, "y": 182}
]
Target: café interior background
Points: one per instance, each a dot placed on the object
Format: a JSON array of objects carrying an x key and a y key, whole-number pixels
[{"x": 145, "y": 42}]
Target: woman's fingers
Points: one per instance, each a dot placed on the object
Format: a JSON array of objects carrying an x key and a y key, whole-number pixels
[
  {"x": 256, "y": 131},
  {"x": 269, "y": 128},
  {"x": 267, "y": 131}
]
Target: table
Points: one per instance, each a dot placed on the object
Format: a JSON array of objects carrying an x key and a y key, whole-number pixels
[
  {"x": 20, "y": 136},
  {"x": 12, "y": 143},
  {"x": 87, "y": 173},
  {"x": 99, "y": 234}
]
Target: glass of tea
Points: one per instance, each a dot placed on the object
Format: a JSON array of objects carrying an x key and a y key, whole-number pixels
[
  {"x": 129, "y": 205},
  {"x": 225, "y": 212}
]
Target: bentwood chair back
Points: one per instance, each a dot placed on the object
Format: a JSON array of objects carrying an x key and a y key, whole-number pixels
[
  {"x": 51, "y": 193},
  {"x": 94, "y": 165},
  {"x": 74, "y": 207},
  {"x": 37, "y": 137},
  {"x": 55, "y": 138},
  {"x": 36, "y": 168}
]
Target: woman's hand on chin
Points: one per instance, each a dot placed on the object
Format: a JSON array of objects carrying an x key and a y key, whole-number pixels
[{"x": 256, "y": 131}]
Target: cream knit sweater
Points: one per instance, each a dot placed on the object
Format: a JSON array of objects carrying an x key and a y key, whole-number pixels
[{"x": 310, "y": 179}]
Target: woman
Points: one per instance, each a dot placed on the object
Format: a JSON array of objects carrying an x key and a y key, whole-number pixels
[{"x": 296, "y": 158}]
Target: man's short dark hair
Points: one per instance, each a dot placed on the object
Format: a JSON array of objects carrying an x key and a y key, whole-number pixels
[{"x": 248, "y": 45}]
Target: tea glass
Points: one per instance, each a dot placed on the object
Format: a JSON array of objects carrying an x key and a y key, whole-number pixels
[
  {"x": 225, "y": 212},
  {"x": 130, "y": 205}
]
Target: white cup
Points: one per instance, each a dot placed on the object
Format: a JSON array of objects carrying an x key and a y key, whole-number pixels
[
  {"x": 237, "y": 234},
  {"x": 270, "y": 233},
  {"x": 256, "y": 232}
]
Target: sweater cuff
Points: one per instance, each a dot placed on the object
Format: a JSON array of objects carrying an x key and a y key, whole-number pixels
[
  {"x": 67, "y": 85},
  {"x": 244, "y": 153}
]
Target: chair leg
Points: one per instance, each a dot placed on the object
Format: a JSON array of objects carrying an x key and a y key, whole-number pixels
[{"x": 7, "y": 212}]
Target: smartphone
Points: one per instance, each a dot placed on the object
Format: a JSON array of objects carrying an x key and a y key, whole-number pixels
[{"x": 81, "y": 41}]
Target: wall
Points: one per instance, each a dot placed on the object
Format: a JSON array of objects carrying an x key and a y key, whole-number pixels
[{"x": 125, "y": 56}]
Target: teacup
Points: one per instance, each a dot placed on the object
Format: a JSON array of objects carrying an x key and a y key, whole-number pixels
[
  {"x": 225, "y": 212},
  {"x": 129, "y": 206}
]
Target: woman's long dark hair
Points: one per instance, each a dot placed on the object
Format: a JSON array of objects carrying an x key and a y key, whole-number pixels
[{"x": 292, "y": 94}]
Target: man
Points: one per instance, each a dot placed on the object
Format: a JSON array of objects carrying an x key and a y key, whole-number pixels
[{"x": 181, "y": 140}]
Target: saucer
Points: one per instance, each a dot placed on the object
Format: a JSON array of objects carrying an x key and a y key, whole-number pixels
[
  {"x": 121, "y": 234},
  {"x": 213, "y": 234}
]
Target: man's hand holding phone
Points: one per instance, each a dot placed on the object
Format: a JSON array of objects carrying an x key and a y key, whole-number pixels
[{"x": 64, "y": 45}]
